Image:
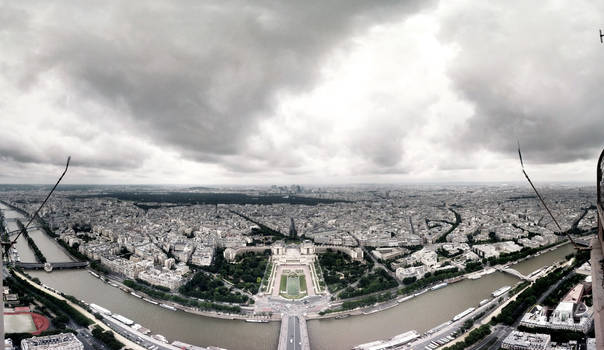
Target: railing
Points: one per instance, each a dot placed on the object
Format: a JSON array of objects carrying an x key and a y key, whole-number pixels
[
  {"x": 597, "y": 261},
  {"x": 600, "y": 197}
]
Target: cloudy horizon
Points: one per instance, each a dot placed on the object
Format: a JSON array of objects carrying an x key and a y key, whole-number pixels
[{"x": 235, "y": 92}]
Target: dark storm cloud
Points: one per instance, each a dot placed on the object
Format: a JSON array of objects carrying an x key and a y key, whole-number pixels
[
  {"x": 195, "y": 76},
  {"x": 123, "y": 156},
  {"x": 533, "y": 72}
]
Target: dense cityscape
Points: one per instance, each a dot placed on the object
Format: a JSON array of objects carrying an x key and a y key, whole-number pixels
[{"x": 311, "y": 253}]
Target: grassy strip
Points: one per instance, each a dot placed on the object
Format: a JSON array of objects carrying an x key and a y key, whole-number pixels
[
  {"x": 349, "y": 305},
  {"x": 353, "y": 304},
  {"x": 57, "y": 306},
  {"x": 427, "y": 281},
  {"x": 303, "y": 284},
  {"x": 523, "y": 253},
  {"x": 283, "y": 283},
  {"x": 204, "y": 305},
  {"x": 39, "y": 256}
]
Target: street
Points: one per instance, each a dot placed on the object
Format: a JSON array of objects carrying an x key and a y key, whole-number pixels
[{"x": 294, "y": 342}]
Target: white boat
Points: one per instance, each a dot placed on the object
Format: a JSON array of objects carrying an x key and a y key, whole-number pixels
[
  {"x": 136, "y": 295},
  {"x": 160, "y": 337},
  {"x": 394, "y": 342},
  {"x": 124, "y": 320},
  {"x": 463, "y": 314},
  {"x": 100, "y": 309},
  {"x": 482, "y": 302},
  {"x": 405, "y": 298},
  {"x": 420, "y": 293},
  {"x": 166, "y": 306},
  {"x": 137, "y": 327},
  {"x": 474, "y": 276},
  {"x": 150, "y": 301},
  {"x": 439, "y": 286},
  {"x": 500, "y": 291},
  {"x": 93, "y": 273},
  {"x": 256, "y": 321},
  {"x": 439, "y": 327}
]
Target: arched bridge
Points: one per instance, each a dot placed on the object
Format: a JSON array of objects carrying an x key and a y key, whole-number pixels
[
  {"x": 512, "y": 272},
  {"x": 16, "y": 232},
  {"x": 55, "y": 265}
]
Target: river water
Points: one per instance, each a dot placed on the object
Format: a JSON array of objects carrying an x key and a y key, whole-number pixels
[
  {"x": 421, "y": 313},
  {"x": 545, "y": 259}
]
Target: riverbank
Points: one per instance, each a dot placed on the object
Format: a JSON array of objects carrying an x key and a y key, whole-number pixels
[
  {"x": 382, "y": 306},
  {"x": 195, "y": 311},
  {"x": 81, "y": 310}
]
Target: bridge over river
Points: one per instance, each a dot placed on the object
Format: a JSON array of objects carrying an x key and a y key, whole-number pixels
[
  {"x": 293, "y": 335},
  {"x": 54, "y": 265},
  {"x": 512, "y": 272}
]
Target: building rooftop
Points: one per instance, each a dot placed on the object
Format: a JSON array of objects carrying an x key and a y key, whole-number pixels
[
  {"x": 518, "y": 339},
  {"x": 575, "y": 294},
  {"x": 50, "y": 341}
]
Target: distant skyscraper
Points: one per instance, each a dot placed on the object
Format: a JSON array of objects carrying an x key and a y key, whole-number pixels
[{"x": 292, "y": 228}]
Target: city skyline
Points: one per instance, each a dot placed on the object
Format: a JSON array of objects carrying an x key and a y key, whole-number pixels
[{"x": 263, "y": 93}]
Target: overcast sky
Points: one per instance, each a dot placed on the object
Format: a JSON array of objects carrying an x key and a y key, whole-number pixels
[{"x": 350, "y": 91}]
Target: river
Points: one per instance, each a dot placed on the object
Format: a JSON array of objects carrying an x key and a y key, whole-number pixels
[
  {"x": 420, "y": 313},
  {"x": 194, "y": 329},
  {"x": 545, "y": 259}
]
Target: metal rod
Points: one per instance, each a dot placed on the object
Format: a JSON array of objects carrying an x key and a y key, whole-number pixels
[
  {"x": 46, "y": 199},
  {"x": 543, "y": 201},
  {"x": 10, "y": 243}
]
